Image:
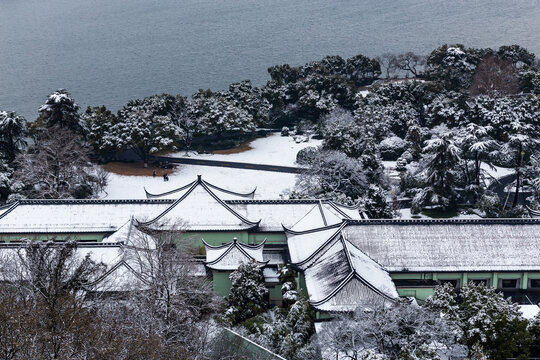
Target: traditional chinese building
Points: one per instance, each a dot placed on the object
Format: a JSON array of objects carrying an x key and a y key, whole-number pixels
[{"x": 343, "y": 259}]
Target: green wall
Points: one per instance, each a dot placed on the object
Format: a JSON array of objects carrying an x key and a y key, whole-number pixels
[
  {"x": 421, "y": 293},
  {"x": 40, "y": 237}
]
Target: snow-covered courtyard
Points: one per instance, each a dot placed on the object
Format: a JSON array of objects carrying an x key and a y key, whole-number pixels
[{"x": 273, "y": 150}]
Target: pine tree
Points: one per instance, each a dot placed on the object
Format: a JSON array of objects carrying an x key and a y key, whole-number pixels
[
  {"x": 12, "y": 133},
  {"x": 288, "y": 285},
  {"x": 485, "y": 319},
  {"x": 247, "y": 295},
  {"x": 441, "y": 157},
  {"x": 60, "y": 110}
]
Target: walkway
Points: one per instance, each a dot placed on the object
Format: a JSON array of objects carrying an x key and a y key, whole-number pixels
[{"x": 229, "y": 164}]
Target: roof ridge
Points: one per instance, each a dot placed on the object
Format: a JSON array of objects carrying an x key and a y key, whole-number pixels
[
  {"x": 176, "y": 202},
  {"x": 443, "y": 221},
  {"x": 232, "y": 211},
  {"x": 320, "y": 248},
  {"x": 92, "y": 201},
  {"x": 319, "y": 204},
  {"x": 10, "y": 209}
]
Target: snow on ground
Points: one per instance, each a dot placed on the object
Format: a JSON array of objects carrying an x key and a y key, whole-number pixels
[
  {"x": 271, "y": 150},
  {"x": 496, "y": 172},
  {"x": 269, "y": 184},
  {"x": 529, "y": 311}
]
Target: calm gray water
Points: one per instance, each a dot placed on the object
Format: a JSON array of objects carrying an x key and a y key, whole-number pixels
[{"x": 110, "y": 51}]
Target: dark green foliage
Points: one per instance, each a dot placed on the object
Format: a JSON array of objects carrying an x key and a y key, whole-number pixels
[
  {"x": 12, "y": 133},
  {"x": 60, "y": 110},
  {"x": 247, "y": 295},
  {"x": 485, "y": 320},
  {"x": 375, "y": 203}
]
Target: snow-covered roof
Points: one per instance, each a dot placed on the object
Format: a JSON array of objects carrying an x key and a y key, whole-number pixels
[
  {"x": 298, "y": 215},
  {"x": 305, "y": 246},
  {"x": 344, "y": 278},
  {"x": 76, "y": 216},
  {"x": 231, "y": 255},
  {"x": 200, "y": 209},
  {"x": 449, "y": 245},
  {"x": 223, "y": 193}
]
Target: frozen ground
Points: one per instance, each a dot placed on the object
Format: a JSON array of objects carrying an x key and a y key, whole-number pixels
[
  {"x": 269, "y": 184},
  {"x": 271, "y": 150}
]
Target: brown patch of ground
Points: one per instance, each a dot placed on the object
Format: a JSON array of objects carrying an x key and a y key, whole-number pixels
[
  {"x": 135, "y": 169},
  {"x": 241, "y": 148}
]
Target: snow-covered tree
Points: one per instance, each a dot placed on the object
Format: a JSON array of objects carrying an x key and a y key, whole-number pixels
[
  {"x": 519, "y": 55},
  {"x": 334, "y": 175},
  {"x": 362, "y": 70},
  {"x": 453, "y": 65},
  {"x": 250, "y": 99},
  {"x": 12, "y": 133},
  {"x": 216, "y": 114},
  {"x": 247, "y": 295},
  {"x": 388, "y": 331},
  {"x": 60, "y": 110},
  {"x": 341, "y": 132},
  {"x": 99, "y": 122},
  {"x": 6, "y": 179},
  {"x": 440, "y": 158},
  {"x": 375, "y": 203},
  {"x": 144, "y": 131},
  {"x": 485, "y": 319},
  {"x": 288, "y": 285},
  {"x": 176, "y": 306},
  {"x": 57, "y": 166}
]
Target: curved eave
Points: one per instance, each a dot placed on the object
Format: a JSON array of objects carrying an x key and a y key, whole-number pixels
[
  {"x": 345, "y": 281},
  {"x": 240, "y": 248},
  {"x": 151, "y": 196},
  {"x": 293, "y": 232},
  {"x": 249, "y": 195},
  {"x": 10, "y": 208},
  {"x": 336, "y": 207},
  {"x": 250, "y": 224},
  {"x": 217, "y": 268}
]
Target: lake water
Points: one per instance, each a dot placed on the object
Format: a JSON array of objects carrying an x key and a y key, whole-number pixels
[{"x": 110, "y": 51}]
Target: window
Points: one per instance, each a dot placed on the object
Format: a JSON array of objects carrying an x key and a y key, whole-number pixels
[
  {"x": 414, "y": 282},
  {"x": 534, "y": 284},
  {"x": 485, "y": 282},
  {"x": 454, "y": 282},
  {"x": 508, "y": 283}
]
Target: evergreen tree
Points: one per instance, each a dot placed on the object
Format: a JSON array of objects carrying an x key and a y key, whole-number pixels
[
  {"x": 288, "y": 285},
  {"x": 485, "y": 319},
  {"x": 60, "y": 110},
  {"x": 6, "y": 179},
  {"x": 100, "y": 122},
  {"x": 12, "y": 133},
  {"x": 247, "y": 295},
  {"x": 441, "y": 157},
  {"x": 375, "y": 203},
  {"x": 144, "y": 132}
]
